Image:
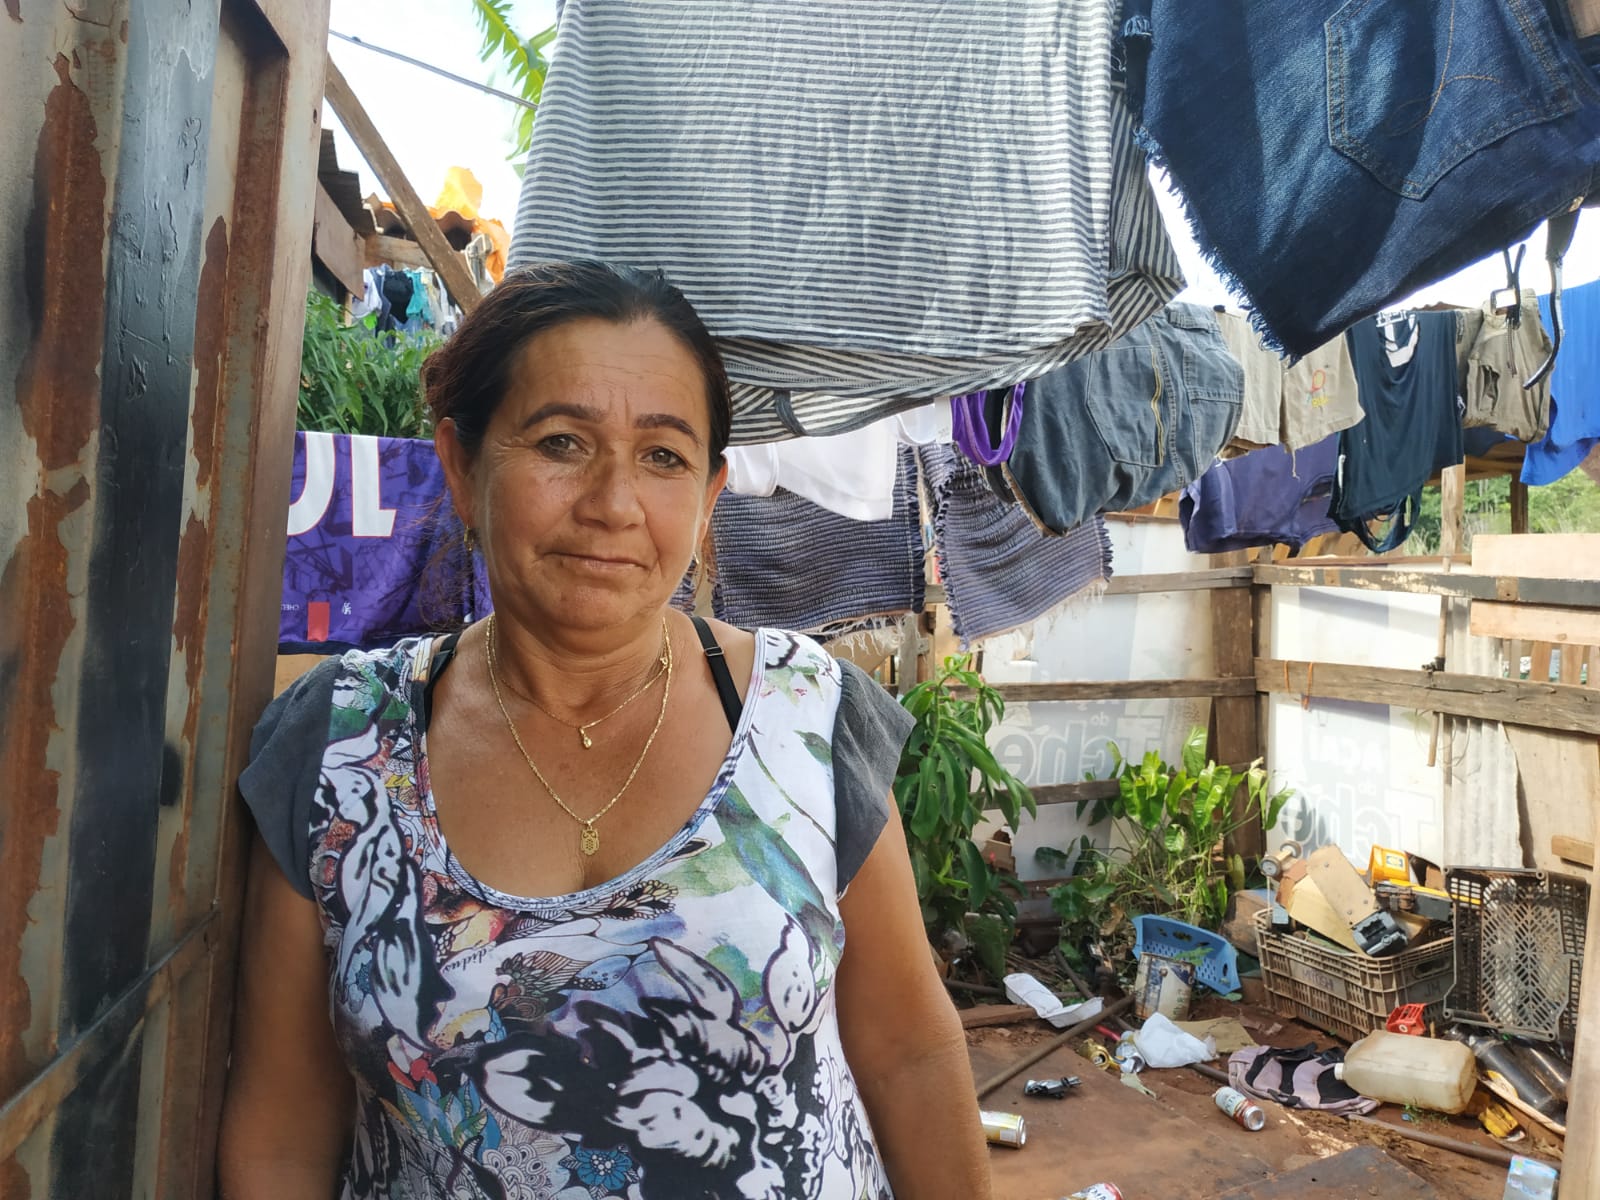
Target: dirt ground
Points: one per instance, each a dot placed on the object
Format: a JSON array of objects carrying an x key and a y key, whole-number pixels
[{"x": 1178, "y": 1145}]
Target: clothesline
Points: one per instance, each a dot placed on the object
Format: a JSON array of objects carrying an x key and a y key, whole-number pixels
[{"x": 523, "y": 101}]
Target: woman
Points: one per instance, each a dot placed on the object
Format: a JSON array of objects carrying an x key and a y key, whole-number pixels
[{"x": 574, "y": 881}]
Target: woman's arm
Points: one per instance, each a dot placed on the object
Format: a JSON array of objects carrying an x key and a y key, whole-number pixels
[
  {"x": 286, "y": 1120},
  {"x": 902, "y": 1036}
]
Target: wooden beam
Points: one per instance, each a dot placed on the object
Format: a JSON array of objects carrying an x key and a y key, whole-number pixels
[
  {"x": 1142, "y": 517},
  {"x": 1233, "y": 657},
  {"x": 336, "y": 246},
  {"x": 997, "y": 1014},
  {"x": 1519, "y": 507},
  {"x": 1126, "y": 689},
  {"x": 1572, "y": 593},
  {"x": 1514, "y": 701},
  {"x": 1091, "y": 789},
  {"x": 1572, "y": 850},
  {"x": 1452, "y": 510},
  {"x": 381, "y": 250},
  {"x": 1554, "y": 555},
  {"x": 1071, "y": 793},
  {"x": 1181, "y": 581},
  {"x": 1580, "y": 1168},
  {"x": 1536, "y": 623},
  {"x": 1261, "y": 598},
  {"x": 452, "y": 268},
  {"x": 1365, "y": 560},
  {"x": 905, "y": 669}
]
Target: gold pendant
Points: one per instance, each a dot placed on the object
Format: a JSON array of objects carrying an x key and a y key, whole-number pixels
[
  {"x": 584, "y": 734},
  {"x": 591, "y": 840}
]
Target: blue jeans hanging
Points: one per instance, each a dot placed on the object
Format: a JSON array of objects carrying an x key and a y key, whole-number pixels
[{"x": 1334, "y": 157}]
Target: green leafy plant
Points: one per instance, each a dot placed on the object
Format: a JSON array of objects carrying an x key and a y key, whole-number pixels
[
  {"x": 353, "y": 380},
  {"x": 946, "y": 781},
  {"x": 523, "y": 60},
  {"x": 1169, "y": 823}
]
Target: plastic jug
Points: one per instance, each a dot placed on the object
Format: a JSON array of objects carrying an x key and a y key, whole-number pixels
[{"x": 1399, "y": 1068}]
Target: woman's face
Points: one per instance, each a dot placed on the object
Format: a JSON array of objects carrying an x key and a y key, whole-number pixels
[{"x": 592, "y": 487}]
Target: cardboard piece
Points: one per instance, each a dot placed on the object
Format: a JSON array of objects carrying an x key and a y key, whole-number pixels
[
  {"x": 1310, "y": 907},
  {"x": 1374, "y": 929},
  {"x": 999, "y": 853},
  {"x": 1338, "y": 880},
  {"x": 1226, "y": 1032}
]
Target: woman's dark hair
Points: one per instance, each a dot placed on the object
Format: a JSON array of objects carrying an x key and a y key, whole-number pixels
[{"x": 465, "y": 380}]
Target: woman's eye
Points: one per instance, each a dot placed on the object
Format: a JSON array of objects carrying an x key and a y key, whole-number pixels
[
  {"x": 662, "y": 457},
  {"x": 559, "y": 443}
]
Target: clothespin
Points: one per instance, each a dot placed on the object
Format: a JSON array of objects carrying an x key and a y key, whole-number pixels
[
  {"x": 1507, "y": 301},
  {"x": 1558, "y": 233}
]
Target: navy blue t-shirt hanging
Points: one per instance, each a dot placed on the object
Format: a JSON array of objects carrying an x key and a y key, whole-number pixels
[{"x": 1405, "y": 366}]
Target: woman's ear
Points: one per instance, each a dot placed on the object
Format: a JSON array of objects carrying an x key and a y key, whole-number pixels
[
  {"x": 457, "y": 466},
  {"x": 714, "y": 486}
]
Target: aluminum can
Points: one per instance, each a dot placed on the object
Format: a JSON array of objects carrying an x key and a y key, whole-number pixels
[
  {"x": 1098, "y": 1191},
  {"x": 1241, "y": 1108},
  {"x": 1004, "y": 1129}
]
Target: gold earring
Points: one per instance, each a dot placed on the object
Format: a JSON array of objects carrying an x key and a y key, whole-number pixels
[{"x": 469, "y": 539}]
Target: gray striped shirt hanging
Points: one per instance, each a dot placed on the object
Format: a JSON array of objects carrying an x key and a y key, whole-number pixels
[{"x": 870, "y": 204}]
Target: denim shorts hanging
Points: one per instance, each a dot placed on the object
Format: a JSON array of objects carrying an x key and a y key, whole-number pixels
[{"x": 1128, "y": 424}]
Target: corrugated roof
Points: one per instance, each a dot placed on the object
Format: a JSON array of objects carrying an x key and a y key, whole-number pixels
[{"x": 343, "y": 187}]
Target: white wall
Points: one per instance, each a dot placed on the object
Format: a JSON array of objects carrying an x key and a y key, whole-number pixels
[
  {"x": 1360, "y": 770},
  {"x": 1153, "y": 636}
]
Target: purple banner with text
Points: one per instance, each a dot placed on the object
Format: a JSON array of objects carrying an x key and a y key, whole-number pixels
[{"x": 375, "y": 551}]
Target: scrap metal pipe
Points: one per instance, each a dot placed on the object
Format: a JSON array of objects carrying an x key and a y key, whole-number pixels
[
  {"x": 1488, "y": 1154},
  {"x": 1052, "y": 1045}
]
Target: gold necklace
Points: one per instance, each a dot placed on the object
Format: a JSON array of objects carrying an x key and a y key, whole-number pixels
[
  {"x": 583, "y": 730},
  {"x": 590, "y": 842}
]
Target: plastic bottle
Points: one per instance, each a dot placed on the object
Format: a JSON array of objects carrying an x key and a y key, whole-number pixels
[
  {"x": 1241, "y": 1108},
  {"x": 1529, "y": 1179},
  {"x": 1496, "y": 1055},
  {"x": 1398, "y": 1068},
  {"x": 1553, "y": 1070}
]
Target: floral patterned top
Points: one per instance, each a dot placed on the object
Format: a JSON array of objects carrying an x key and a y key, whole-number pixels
[{"x": 668, "y": 1034}]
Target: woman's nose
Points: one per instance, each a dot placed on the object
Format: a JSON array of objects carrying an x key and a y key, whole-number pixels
[{"x": 613, "y": 492}]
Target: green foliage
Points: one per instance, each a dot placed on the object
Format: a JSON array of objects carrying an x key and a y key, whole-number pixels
[
  {"x": 1569, "y": 505},
  {"x": 523, "y": 60},
  {"x": 947, "y": 780},
  {"x": 353, "y": 380},
  {"x": 1168, "y": 824}
]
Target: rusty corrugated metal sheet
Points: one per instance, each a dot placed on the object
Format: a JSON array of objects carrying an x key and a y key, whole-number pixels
[{"x": 147, "y": 394}]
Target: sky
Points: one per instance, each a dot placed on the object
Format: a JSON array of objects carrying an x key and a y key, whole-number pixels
[{"x": 432, "y": 124}]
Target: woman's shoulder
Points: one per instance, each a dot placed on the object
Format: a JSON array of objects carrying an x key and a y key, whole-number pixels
[{"x": 332, "y": 681}]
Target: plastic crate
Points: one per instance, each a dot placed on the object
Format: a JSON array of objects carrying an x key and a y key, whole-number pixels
[
  {"x": 1348, "y": 993},
  {"x": 1519, "y": 950},
  {"x": 1166, "y": 938}
]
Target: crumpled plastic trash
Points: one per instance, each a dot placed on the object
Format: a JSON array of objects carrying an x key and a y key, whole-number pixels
[
  {"x": 1025, "y": 989},
  {"x": 1163, "y": 1044}
]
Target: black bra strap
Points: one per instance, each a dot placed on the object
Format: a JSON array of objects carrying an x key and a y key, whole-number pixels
[{"x": 718, "y": 663}]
